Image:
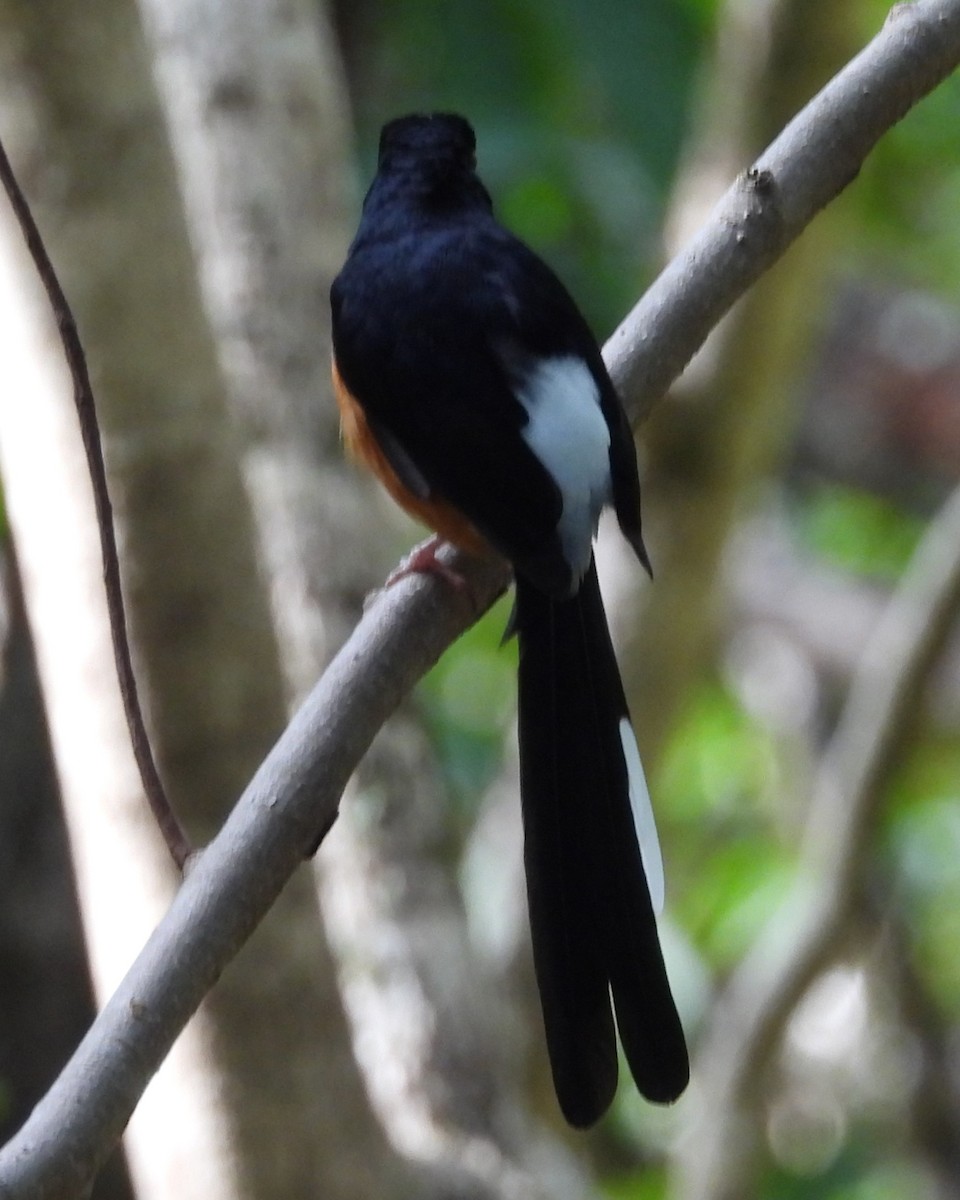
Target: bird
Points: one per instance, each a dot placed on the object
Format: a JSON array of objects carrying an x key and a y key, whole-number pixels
[{"x": 469, "y": 382}]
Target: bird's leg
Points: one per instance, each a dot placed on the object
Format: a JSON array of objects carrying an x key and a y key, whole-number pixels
[{"x": 422, "y": 560}]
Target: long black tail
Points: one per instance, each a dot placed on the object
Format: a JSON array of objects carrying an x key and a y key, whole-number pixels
[{"x": 591, "y": 916}]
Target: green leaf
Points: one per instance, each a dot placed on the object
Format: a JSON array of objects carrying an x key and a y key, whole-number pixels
[{"x": 860, "y": 531}]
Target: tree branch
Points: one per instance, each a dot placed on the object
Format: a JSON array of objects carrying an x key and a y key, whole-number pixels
[
  {"x": 769, "y": 205},
  {"x": 232, "y": 883},
  {"x": 297, "y": 789},
  {"x": 169, "y": 824}
]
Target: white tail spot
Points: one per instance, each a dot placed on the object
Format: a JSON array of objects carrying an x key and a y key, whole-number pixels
[{"x": 643, "y": 817}]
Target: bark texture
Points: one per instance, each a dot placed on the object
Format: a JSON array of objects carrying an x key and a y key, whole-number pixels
[{"x": 261, "y": 1093}]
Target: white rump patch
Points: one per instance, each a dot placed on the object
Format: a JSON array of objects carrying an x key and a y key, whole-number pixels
[
  {"x": 643, "y": 817},
  {"x": 568, "y": 433}
]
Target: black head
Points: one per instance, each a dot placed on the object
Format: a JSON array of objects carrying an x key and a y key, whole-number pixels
[
  {"x": 426, "y": 169},
  {"x": 443, "y": 140}
]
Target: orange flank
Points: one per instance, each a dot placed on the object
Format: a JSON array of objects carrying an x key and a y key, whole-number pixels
[{"x": 363, "y": 447}]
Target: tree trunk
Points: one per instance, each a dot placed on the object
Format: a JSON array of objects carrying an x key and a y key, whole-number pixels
[{"x": 261, "y": 1096}]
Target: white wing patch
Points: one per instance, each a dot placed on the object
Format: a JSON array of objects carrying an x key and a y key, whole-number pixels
[
  {"x": 567, "y": 431},
  {"x": 643, "y": 817}
]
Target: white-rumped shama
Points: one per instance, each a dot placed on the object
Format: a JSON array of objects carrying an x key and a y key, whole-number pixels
[{"x": 469, "y": 382}]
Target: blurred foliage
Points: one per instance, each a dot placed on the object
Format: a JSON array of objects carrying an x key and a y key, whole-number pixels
[
  {"x": 727, "y": 871},
  {"x": 858, "y": 531},
  {"x": 468, "y": 700},
  {"x": 718, "y": 762},
  {"x": 903, "y": 209},
  {"x": 854, "y": 1177},
  {"x": 581, "y": 111},
  {"x": 644, "y": 1185},
  {"x": 923, "y": 845},
  {"x": 908, "y": 195}
]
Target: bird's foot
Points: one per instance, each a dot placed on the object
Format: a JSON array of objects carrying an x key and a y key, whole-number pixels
[{"x": 423, "y": 560}]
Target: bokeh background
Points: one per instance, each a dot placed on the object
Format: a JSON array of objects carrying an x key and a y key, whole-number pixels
[{"x": 789, "y": 480}]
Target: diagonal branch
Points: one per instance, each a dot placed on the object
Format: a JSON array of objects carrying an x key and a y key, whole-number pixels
[
  {"x": 298, "y": 787},
  {"x": 818, "y": 154}
]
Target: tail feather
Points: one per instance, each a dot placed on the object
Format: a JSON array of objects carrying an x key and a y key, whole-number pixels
[{"x": 592, "y": 920}]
